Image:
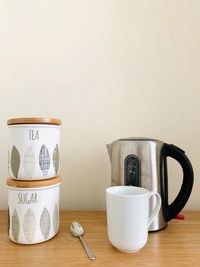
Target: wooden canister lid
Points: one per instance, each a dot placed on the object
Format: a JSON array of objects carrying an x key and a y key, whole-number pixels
[
  {"x": 33, "y": 183},
  {"x": 34, "y": 120}
]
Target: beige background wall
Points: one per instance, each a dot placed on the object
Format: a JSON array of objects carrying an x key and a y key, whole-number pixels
[{"x": 108, "y": 69}]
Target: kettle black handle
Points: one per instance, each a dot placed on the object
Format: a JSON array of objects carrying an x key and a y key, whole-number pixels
[{"x": 172, "y": 210}]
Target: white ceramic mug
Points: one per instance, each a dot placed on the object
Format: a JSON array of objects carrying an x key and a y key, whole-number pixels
[{"x": 128, "y": 217}]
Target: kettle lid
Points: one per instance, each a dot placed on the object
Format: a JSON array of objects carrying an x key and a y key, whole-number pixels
[{"x": 137, "y": 139}]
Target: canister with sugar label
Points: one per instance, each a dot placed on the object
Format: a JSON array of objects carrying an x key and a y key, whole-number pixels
[
  {"x": 34, "y": 148},
  {"x": 33, "y": 210}
]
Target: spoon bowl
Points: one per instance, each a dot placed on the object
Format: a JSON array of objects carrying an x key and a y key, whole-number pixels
[{"x": 76, "y": 229}]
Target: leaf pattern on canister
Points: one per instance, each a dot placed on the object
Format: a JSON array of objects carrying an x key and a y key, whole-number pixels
[
  {"x": 56, "y": 159},
  {"x": 9, "y": 161},
  {"x": 55, "y": 219},
  {"x": 29, "y": 225},
  {"x": 15, "y": 161},
  {"x": 15, "y": 226},
  {"x": 44, "y": 160},
  {"x": 29, "y": 162},
  {"x": 45, "y": 223}
]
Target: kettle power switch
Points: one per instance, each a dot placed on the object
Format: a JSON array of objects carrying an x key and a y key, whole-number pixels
[{"x": 131, "y": 171}]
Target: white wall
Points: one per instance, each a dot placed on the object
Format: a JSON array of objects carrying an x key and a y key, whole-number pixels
[{"x": 108, "y": 69}]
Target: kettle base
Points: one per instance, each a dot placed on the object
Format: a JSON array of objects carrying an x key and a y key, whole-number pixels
[{"x": 157, "y": 230}]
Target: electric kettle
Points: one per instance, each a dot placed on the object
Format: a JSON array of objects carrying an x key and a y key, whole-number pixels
[{"x": 143, "y": 162}]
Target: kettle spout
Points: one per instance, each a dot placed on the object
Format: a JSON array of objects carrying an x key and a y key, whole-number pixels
[{"x": 109, "y": 148}]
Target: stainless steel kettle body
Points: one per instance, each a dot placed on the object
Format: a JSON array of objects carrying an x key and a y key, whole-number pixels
[{"x": 143, "y": 162}]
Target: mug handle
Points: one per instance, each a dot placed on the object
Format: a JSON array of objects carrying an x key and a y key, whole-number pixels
[{"x": 157, "y": 207}]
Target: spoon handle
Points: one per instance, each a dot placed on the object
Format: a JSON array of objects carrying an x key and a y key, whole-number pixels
[{"x": 87, "y": 249}]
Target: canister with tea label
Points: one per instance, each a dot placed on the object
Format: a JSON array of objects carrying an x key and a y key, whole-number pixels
[
  {"x": 34, "y": 148},
  {"x": 33, "y": 210}
]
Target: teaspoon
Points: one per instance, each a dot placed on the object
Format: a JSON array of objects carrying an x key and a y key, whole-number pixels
[{"x": 76, "y": 230}]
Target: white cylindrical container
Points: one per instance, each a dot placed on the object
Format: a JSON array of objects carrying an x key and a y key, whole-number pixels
[
  {"x": 33, "y": 210},
  {"x": 34, "y": 148}
]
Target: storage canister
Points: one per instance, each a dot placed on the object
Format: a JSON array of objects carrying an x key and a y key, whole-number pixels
[
  {"x": 34, "y": 148},
  {"x": 33, "y": 210}
]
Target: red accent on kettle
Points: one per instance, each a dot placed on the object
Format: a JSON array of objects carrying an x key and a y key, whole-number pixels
[{"x": 180, "y": 216}]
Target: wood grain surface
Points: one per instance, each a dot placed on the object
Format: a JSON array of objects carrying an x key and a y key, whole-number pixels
[{"x": 176, "y": 245}]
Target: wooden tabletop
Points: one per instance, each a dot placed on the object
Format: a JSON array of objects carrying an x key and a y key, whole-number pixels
[{"x": 176, "y": 245}]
